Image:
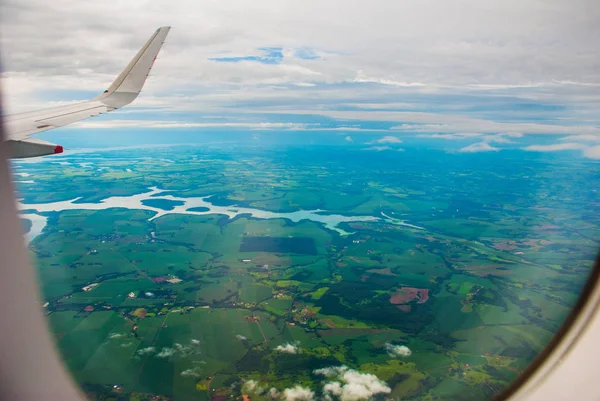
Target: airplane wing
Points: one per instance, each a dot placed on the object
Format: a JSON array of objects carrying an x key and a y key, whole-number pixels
[{"x": 127, "y": 86}]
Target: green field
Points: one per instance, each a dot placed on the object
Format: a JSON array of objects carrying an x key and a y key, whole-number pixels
[{"x": 195, "y": 307}]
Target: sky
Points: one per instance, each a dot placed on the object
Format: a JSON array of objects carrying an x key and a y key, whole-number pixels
[{"x": 486, "y": 73}]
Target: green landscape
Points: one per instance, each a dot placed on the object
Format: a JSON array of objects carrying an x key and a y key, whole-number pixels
[{"x": 454, "y": 273}]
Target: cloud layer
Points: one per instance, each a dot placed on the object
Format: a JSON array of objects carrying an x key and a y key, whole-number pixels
[
  {"x": 555, "y": 147},
  {"x": 454, "y": 67}
]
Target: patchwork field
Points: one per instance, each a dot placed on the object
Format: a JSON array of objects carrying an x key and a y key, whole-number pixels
[{"x": 207, "y": 307}]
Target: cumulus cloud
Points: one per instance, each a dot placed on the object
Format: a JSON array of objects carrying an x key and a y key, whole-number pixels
[
  {"x": 555, "y": 147},
  {"x": 191, "y": 373},
  {"x": 126, "y": 345},
  {"x": 146, "y": 351},
  {"x": 180, "y": 351},
  {"x": 378, "y": 148},
  {"x": 592, "y": 152},
  {"x": 240, "y": 337},
  {"x": 386, "y": 139},
  {"x": 389, "y": 139},
  {"x": 165, "y": 352},
  {"x": 288, "y": 348},
  {"x": 331, "y": 371},
  {"x": 252, "y": 386},
  {"x": 298, "y": 393},
  {"x": 351, "y": 385},
  {"x": 479, "y": 147},
  {"x": 115, "y": 335},
  {"x": 330, "y": 388},
  {"x": 340, "y": 383},
  {"x": 349, "y": 139},
  {"x": 397, "y": 350}
]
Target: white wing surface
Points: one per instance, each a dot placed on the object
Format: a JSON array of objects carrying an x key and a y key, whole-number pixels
[{"x": 127, "y": 86}]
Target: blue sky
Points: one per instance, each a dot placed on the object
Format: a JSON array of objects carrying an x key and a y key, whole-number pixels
[{"x": 428, "y": 69}]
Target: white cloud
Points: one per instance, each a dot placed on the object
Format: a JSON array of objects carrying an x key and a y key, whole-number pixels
[
  {"x": 126, "y": 345},
  {"x": 240, "y": 337},
  {"x": 146, "y": 351},
  {"x": 115, "y": 335},
  {"x": 397, "y": 350},
  {"x": 298, "y": 393},
  {"x": 592, "y": 152},
  {"x": 351, "y": 385},
  {"x": 584, "y": 138},
  {"x": 341, "y": 383},
  {"x": 384, "y": 81},
  {"x": 191, "y": 373},
  {"x": 252, "y": 386},
  {"x": 288, "y": 348},
  {"x": 502, "y": 52},
  {"x": 331, "y": 371},
  {"x": 386, "y": 139},
  {"x": 179, "y": 350},
  {"x": 496, "y": 138},
  {"x": 457, "y": 136},
  {"x": 479, "y": 147},
  {"x": 349, "y": 139},
  {"x": 165, "y": 352},
  {"x": 378, "y": 148},
  {"x": 91, "y": 124},
  {"x": 186, "y": 350},
  {"x": 445, "y": 123},
  {"x": 334, "y": 388},
  {"x": 554, "y": 147}
]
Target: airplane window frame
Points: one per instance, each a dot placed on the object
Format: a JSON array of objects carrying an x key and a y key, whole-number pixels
[{"x": 583, "y": 320}]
